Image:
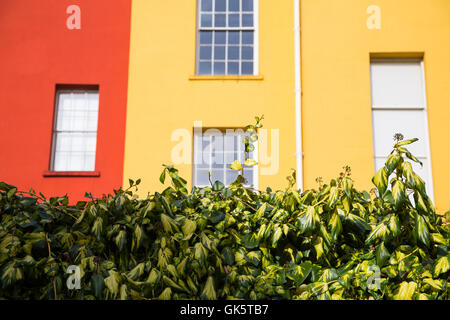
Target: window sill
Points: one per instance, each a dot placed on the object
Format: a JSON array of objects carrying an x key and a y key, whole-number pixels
[
  {"x": 71, "y": 174},
  {"x": 217, "y": 77}
]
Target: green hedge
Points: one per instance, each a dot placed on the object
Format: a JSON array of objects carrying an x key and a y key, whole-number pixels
[{"x": 230, "y": 242}]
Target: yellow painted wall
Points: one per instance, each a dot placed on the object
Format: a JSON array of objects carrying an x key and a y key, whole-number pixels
[
  {"x": 163, "y": 97},
  {"x": 336, "y": 48}
]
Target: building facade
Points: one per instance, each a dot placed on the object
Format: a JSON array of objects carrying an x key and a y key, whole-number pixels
[{"x": 175, "y": 82}]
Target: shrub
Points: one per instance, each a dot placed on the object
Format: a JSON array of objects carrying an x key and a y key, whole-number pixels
[{"x": 231, "y": 242}]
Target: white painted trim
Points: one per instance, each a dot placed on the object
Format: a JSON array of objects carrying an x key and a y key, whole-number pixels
[
  {"x": 430, "y": 190},
  {"x": 256, "y": 38},
  {"x": 298, "y": 95}
]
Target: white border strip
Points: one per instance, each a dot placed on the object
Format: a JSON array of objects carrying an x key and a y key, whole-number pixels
[{"x": 298, "y": 95}]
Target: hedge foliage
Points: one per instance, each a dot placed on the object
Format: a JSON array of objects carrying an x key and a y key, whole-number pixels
[{"x": 218, "y": 242}]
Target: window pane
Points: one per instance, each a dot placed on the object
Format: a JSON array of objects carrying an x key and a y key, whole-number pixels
[
  {"x": 247, "y": 67},
  {"x": 219, "y": 67},
  {"x": 410, "y": 123},
  {"x": 233, "y": 5},
  {"x": 206, "y": 5},
  {"x": 233, "y": 67},
  {"x": 220, "y": 37},
  {"x": 219, "y": 52},
  {"x": 217, "y": 175},
  {"x": 220, "y": 20},
  {"x": 201, "y": 177},
  {"x": 206, "y": 20},
  {"x": 205, "y": 52},
  {"x": 233, "y": 37},
  {"x": 247, "y": 20},
  {"x": 397, "y": 84},
  {"x": 206, "y": 37},
  {"x": 233, "y": 53},
  {"x": 204, "y": 68},
  {"x": 247, "y": 53},
  {"x": 247, "y": 37},
  {"x": 248, "y": 175},
  {"x": 231, "y": 176},
  {"x": 220, "y": 5},
  {"x": 233, "y": 20},
  {"x": 247, "y": 5}
]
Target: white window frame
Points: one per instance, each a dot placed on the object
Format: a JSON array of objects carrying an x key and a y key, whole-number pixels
[
  {"x": 235, "y": 132},
  {"x": 55, "y": 130},
  {"x": 255, "y": 30},
  {"x": 423, "y": 108}
]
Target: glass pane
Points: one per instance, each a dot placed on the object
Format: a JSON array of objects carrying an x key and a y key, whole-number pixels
[
  {"x": 397, "y": 84},
  {"x": 204, "y": 68},
  {"x": 220, "y": 5},
  {"x": 233, "y": 53},
  {"x": 220, "y": 37},
  {"x": 206, "y": 5},
  {"x": 201, "y": 177},
  {"x": 247, "y": 53},
  {"x": 248, "y": 175},
  {"x": 410, "y": 123},
  {"x": 247, "y": 20},
  {"x": 233, "y": 67},
  {"x": 205, "y": 52},
  {"x": 247, "y": 5},
  {"x": 217, "y": 175},
  {"x": 247, "y": 37},
  {"x": 233, "y": 37},
  {"x": 247, "y": 67},
  {"x": 219, "y": 67},
  {"x": 206, "y": 37},
  {"x": 219, "y": 53},
  {"x": 231, "y": 176},
  {"x": 206, "y": 20},
  {"x": 233, "y": 5},
  {"x": 233, "y": 20},
  {"x": 220, "y": 20}
]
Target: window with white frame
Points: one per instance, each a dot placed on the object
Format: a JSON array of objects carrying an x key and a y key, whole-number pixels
[
  {"x": 215, "y": 150},
  {"x": 227, "y": 37},
  {"x": 399, "y": 106},
  {"x": 75, "y": 130}
]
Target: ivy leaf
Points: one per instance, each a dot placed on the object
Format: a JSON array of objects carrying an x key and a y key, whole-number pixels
[
  {"x": 406, "y": 291},
  {"x": 442, "y": 266},
  {"x": 380, "y": 180},
  {"x": 209, "y": 293},
  {"x": 236, "y": 165}
]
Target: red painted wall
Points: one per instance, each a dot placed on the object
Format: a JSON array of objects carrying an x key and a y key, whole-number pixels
[{"x": 37, "y": 52}]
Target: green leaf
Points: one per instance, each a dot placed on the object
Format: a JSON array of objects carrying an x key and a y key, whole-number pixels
[
  {"x": 308, "y": 220},
  {"x": 406, "y": 291},
  {"x": 380, "y": 180},
  {"x": 318, "y": 246},
  {"x": 260, "y": 212},
  {"x": 405, "y": 142},
  {"x": 112, "y": 282},
  {"x": 392, "y": 162},
  {"x": 228, "y": 256},
  {"x": 218, "y": 186},
  {"x": 336, "y": 226},
  {"x": 209, "y": 293},
  {"x": 236, "y": 165},
  {"x": 379, "y": 232},
  {"x": 334, "y": 196},
  {"x": 162, "y": 177},
  {"x": 250, "y": 163},
  {"x": 398, "y": 193},
  {"x": 382, "y": 255},
  {"x": 420, "y": 231},
  {"x": 442, "y": 266},
  {"x": 98, "y": 284},
  {"x": 188, "y": 228},
  {"x": 166, "y": 294},
  {"x": 170, "y": 225},
  {"x": 121, "y": 240}
]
